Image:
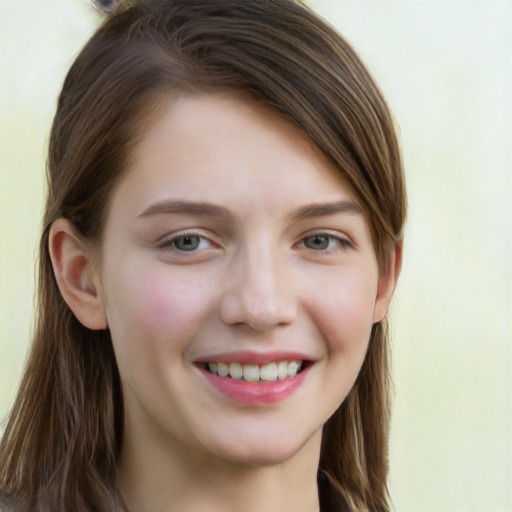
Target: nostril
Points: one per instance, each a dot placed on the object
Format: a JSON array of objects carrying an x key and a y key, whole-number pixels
[
  {"x": 257, "y": 313},
  {"x": 259, "y": 291}
]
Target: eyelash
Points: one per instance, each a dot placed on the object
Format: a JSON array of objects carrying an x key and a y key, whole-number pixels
[
  {"x": 332, "y": 240},
  {"x": 171, "y": 242}
]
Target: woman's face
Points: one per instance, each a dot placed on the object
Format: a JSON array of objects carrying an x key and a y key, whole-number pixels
[{"x": 239, "y": 283}]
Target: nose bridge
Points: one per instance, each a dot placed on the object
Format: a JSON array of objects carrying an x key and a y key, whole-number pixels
[{"x": 260, "y": 293}]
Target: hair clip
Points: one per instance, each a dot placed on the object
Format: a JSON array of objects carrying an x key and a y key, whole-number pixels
[{"x": 106, "y": 7}]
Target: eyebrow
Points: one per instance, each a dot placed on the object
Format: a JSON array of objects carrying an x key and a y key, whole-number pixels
[
  {"x": 324, "y": 209},
  {"x": 220, "y": 212},
  {"x": 191, "y": 208}
]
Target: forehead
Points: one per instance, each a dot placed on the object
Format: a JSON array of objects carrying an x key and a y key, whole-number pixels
[
  {"x": 216, "y": 144},
  {"x": 220, "y": 129}
]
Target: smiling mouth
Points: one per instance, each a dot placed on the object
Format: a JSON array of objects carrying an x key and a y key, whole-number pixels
[{"x": 270, "y": 372}]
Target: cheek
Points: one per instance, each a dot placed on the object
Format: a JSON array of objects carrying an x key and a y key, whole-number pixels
[
  {"x": 166, "y": 304},
  {"x": 343, "y": 310},
  {"x": 154, "y": 312}
]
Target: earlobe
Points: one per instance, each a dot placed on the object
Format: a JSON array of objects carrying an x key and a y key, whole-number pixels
[
  {"x": 387, "y": 283},
  {"x": 75, "y": 275}
]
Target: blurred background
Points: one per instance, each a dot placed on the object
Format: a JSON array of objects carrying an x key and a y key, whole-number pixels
[{"x": 445, "y": 67}]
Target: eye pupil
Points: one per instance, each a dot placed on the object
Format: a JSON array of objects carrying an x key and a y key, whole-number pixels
[
  {"x": 317, "y": 242},
  {"x": 187, "y": 243}
]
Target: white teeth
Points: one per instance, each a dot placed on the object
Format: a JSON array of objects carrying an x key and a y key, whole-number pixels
[
  {"x": 253, "y": 373},
  {"x": 235, "y": 371},
  {"x": 222, "y": 369},
  {"x": 282, "y": 370},
  {"x": 293, "y": 368},
  {"x": 269, "y": 372}
]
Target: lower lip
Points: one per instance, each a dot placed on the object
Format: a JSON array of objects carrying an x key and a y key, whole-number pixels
[{"x": 256, "y": 393}]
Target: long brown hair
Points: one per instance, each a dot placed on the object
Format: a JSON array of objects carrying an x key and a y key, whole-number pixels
[{"x": 64, "y": 433}]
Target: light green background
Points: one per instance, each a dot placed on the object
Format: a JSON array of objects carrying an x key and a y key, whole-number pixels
[{"x": 446, "y": 68}]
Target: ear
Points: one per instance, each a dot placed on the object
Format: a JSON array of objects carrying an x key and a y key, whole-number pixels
[
  {"x": 75, "y": 275},
  {"x": 387, "y": 282}
]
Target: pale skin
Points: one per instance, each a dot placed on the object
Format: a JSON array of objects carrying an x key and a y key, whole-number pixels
[{"x": 231, "y": 235}]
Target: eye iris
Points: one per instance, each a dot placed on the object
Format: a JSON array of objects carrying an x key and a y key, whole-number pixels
[
  {"x": 317, "y": 242},
  {"x": 187, "y": 243}
]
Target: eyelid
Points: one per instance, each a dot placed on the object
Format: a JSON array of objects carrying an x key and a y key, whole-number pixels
[
  {"x": 345, "y": 241},
  {"x": 166, "y": 241},
  {"x": 333, "y": 233}
]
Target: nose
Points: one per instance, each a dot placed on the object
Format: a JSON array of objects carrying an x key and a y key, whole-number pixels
[{"x": 259, "y": 291}]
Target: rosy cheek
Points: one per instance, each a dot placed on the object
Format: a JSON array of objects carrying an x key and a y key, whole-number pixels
[
  {"x": 344, "y": 311},
  {"x": 166, "y": 307}
]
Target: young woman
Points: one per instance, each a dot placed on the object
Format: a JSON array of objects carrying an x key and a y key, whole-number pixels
[{"x": 221, "y": 241}]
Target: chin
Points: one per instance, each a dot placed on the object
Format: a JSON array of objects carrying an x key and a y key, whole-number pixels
[
  {"x": 266, "y": 452},
  {"x": 254, "y": 459}
]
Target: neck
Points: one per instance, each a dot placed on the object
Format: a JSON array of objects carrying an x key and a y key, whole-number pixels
[{"x": 182, "y": 479}]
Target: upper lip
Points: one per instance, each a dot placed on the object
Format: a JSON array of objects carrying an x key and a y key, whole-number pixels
[{"x": 258, "y": 358}]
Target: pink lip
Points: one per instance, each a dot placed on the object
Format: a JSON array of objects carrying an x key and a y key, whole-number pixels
[
  {"x": 255, "y": 393},
  {"x": 248, "y": 357}
]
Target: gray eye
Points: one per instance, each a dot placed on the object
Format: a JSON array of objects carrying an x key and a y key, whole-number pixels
[
  {"x": 106, "y": 6},
  {"x": 187, "y": 243},
  {"x": 317, "y": 242}
]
